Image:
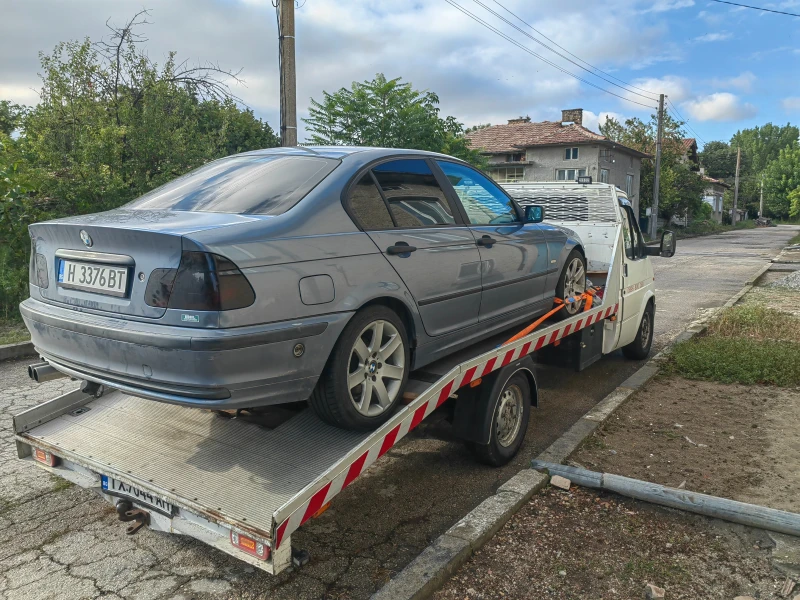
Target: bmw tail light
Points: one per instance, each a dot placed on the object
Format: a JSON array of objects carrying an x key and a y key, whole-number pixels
[{"x": 203, "y": 281}]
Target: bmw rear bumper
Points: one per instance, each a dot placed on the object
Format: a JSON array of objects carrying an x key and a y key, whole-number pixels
[{"x": 205, "y": 368}]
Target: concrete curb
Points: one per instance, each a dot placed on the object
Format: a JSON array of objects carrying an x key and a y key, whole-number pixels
[
  {"x": 434, "y": 566},
  {"x": 9, "y": 351}
]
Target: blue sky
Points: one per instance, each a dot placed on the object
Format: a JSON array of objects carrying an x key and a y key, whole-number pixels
[{"x": 724, "y": 68}]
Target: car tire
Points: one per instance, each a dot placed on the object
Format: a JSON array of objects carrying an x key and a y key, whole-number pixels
[
  {"x": 572, "y": 281},
  {"x": 509, "y": 423},
  {"x": 639, "y": 348},
  {"x": 363, "y": 382}
]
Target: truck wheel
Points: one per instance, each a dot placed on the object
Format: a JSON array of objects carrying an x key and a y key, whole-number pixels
[
  {"x": 509, "y": 423},
  {"x": 639, "y": 348},
  {"x": 571, "y": 283},
  {"x": 366, "y": 373}
]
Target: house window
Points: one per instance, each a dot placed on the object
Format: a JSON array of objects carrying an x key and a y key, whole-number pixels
[
  {"x": 569, "y": 174},
  {"x": 603, "y": 175},
  {"x": 605, "y": 154},
  {"x": 570, "y": 154},
  {"x": 508, "y": 174},
  {"x": 629, "y": 185},
  {"x": 518, "y": 157}
]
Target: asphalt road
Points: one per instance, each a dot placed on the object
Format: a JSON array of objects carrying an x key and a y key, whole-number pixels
[{"x": 59, "y": 541}]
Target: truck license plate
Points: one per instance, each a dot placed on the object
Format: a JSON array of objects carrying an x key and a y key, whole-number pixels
[
  {"x": 104, "y": 279},
  {"x": 118, "y": 488}
]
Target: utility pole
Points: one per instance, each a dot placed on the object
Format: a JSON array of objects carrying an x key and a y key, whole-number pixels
[
  {"x": 288, "y": 75},
  {"x": 654, "y": 211},
  {"x": 761, "y": 199},
  {"x": 735, "y": 214}
]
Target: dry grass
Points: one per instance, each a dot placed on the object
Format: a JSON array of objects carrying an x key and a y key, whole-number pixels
[{"x": 756, "y": 322}]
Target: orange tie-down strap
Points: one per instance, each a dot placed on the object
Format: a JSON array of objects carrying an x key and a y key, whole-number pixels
[{"x": 588, "y": 295}]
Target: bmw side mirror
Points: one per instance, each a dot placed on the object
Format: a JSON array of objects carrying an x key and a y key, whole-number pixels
[
  {"x": 534, "y": 214},
  {"x": 667, "y": 247}
]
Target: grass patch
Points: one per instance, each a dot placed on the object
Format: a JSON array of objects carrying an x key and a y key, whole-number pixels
[
  {"x": 745, "y": 344},
  {"x": 738, "y": 360},
  {"x": 13, "y": 333},
  {"x": 756, "y": 322},
  {"x": 794, "y": 240}
]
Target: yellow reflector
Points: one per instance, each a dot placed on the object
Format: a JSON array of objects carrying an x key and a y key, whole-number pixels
[{"x": 322, "y": 509}]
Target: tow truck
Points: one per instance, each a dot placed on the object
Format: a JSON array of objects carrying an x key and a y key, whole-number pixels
[{"x": 245, "y": 482}]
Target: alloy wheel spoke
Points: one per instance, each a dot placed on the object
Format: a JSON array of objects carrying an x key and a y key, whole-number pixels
[
  {"x": 355, "y": 379},
  {"x": 393, "y": 344},
  {"x": 366, "y": 397},
  {"x": 361, "y": 350},
  {"x": 377, "y": 336},
  {"x": 392, "y": 372},
  {"x": 382, "y": 393}
]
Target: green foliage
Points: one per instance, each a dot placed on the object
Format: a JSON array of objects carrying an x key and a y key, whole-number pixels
[
  {"x": 111, "y": 125},
  {"x": 386, "y": 113},
  {"x": 681, "y": 187},
  {"x": 781, "y": 178},
  {"x": 719, "y": 160},
  {"x": 10, "y": 116},
  {"x": 794, "y": 202}
]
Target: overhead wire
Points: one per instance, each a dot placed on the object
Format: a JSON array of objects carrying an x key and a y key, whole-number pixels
[
  {"x": 627, "y": 86},
  {"x": 539, "y": 56},
  {"x": 777, "y": 12},
  {"x": 685, "y": 121}
]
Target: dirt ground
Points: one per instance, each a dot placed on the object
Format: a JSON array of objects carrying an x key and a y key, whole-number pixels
[
  {"x": 586, "y": 544},
  {"x": 733, "y": 441}
]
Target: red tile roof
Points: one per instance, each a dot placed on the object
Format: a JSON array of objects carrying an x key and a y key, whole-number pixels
[
  {"x": 517, "y": 135},
  {"x": 688, "y": 143},
  {"x": 717, "y": 181}
]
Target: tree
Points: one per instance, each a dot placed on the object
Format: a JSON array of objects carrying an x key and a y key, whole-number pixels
[
  {"x": 111, "y": 125},
  {"x": 386, "y": 113},
  {"x": 794, "y": 202},
  {"x": 10, "y": 116},
  {"x": 719, "y": 160},
  {"x": 782, "y": 178},
  {"x": 681, "y": 188}
]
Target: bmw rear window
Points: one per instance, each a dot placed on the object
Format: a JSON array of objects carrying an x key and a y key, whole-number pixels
[{"x": 268, "y": 184}]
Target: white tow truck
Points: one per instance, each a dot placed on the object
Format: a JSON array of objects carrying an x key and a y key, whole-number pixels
[{"x": 244, "y": 483}]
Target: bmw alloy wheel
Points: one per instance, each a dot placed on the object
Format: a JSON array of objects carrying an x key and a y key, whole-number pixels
[
  {"x": 376, "y": 368},
  {"x": 574, "y": 284}
]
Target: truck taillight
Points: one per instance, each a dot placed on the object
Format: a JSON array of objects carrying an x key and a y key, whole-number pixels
[
  {"x": 203, "y": 281},
  {"x": 250, "y": 545},
  {"x": 45, "y": 457}
]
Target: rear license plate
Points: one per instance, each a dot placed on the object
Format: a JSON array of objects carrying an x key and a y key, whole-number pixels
[
  {"x": 103, "y": 279},
  {"x": 118, "y": 488}
]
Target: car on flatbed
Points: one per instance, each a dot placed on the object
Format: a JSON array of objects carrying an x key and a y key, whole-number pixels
[{"x": 288, "y": 274}]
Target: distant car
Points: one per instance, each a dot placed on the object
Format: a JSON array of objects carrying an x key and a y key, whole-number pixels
[{"x": 290, "y": 274}]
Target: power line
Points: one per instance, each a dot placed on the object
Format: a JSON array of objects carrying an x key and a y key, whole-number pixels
[
  {"x": 540, "y": 57},
  {"x": 777, "y": 12},
  {"x": 685, "y": 121},
  {"x": 526, "y": 34},
  {"x": 598, "y": 69}
]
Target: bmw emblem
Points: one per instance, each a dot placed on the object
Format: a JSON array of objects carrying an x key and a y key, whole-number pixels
[{"x": 86, "y": 239}]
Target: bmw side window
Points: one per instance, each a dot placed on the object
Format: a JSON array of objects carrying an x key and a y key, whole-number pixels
[
  {"x": 483, "y": 201},
  {"x": 367, "y": 205},
  {"x": 413, "y": 194}
]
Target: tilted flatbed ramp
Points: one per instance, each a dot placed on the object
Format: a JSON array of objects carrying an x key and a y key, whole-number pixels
[{"x": 219, "y": 478}]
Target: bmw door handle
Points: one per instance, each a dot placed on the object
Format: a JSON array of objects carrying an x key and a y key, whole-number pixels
[
  {"x": 486, "y": 241},
  {"x": 401, "y": 248}
]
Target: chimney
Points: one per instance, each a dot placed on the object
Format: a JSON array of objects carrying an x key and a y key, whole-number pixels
[
  {"x": 519, "y": 120},
  {"x": 572, "y": 115}
]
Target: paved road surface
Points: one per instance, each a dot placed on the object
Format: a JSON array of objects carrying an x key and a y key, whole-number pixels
[{"x": 63, "y": 542}]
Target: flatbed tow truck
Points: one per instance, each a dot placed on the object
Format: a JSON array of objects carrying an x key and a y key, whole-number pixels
[{"x": 245, "y": 483}]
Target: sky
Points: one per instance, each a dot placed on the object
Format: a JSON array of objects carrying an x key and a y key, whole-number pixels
[{"x": 723, "y": 68}]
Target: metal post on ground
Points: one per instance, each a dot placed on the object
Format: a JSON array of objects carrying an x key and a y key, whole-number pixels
[
  {"x": 761, "y": 200},
  {"x": 657, "y": 179},
  {"x": 288, "y": 74}
]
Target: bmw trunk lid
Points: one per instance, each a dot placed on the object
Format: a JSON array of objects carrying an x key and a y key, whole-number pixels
[{"x": 103, "y": 262}]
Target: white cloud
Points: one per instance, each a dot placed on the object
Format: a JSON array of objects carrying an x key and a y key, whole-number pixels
[
  {"x": 717, "y": 36},
  {"x": 677, "y": 88},
  {"x": 722, "y": 106},
  {"x": 791, "y": 104},
  {"x": 742, "y": 82},
  {"x": 593, "y": 121},
  {"x": 666, "y": 5}
]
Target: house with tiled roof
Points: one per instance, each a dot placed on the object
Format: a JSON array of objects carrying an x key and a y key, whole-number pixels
[
  {"x": 714, "y": 195},
  {"x": 558, "y": 150}
]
